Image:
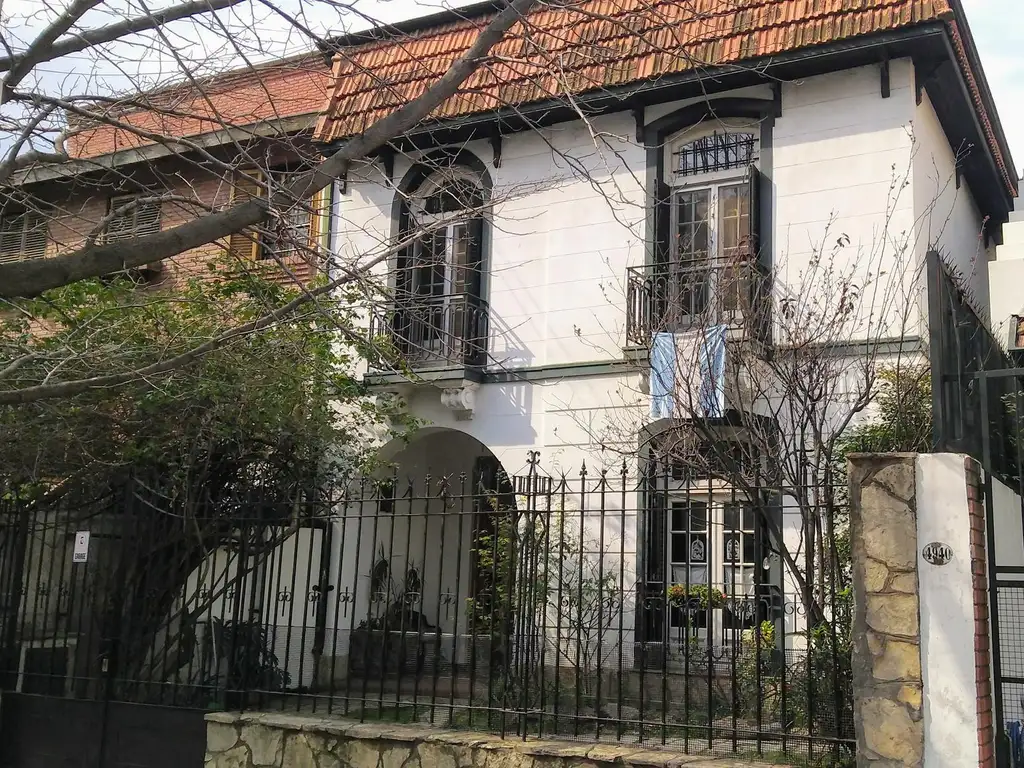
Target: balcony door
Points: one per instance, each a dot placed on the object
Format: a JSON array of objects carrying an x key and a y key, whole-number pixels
[
  {"x": 712, "y": 246},
  {"x": 440, "y": 280}
]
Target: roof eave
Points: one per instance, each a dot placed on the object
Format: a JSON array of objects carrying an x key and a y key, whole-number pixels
[
  {"x": 974, "y": 62},
  {"x": 148, "y": 153},
  {"x": 929, "y": 40}
]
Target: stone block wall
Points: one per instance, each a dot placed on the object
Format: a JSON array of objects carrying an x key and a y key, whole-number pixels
[
  {"x": 302, "y": 741},
  {"x": 888, "y": 711}
]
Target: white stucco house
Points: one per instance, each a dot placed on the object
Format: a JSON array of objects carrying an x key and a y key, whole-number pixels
[
  {"x": 545, "y": 228},
  {"x": 594, "y": 245}
]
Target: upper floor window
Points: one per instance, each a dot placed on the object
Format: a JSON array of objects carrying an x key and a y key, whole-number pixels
[
  {"x": 294, "y": 233},
  {"x": 712, "y": 213},
  {"x": 133, "y": 216},
  {"x": 445, "y": 257},
  {"x": 22, "y": 236},
  {"x": 707, "y": 267},
  {"x": 290, "y": 236},
  {"x": 440, "y": 316}
]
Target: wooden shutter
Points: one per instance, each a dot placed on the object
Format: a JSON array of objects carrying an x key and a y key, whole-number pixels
[
  {"x": 754, "y": 195},
  {"x": 248, "y": 184},
  {"x": 662, "y": 246},
  {"x": 662, "y": 252},
  {"x": 319, "y": 220},
  {"x": 760, "y": 267},
  {"x": 473, "y": 268},
  {"x": 23, "y": 236},
  {"x": 142, "y": 219}
]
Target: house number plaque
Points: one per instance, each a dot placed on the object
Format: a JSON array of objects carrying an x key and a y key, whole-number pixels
[{"x": 937, "y": 553}]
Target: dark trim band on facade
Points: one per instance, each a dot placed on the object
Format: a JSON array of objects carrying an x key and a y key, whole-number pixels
[{"x": 532, "y": 373}]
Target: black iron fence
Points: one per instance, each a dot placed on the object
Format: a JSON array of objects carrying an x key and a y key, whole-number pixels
[
  {"x": 978, "y": 409},
  {"x": 432, "y": 331},
  {"x": 657, "y": 610},
  {"x": 976, "y": 384}
]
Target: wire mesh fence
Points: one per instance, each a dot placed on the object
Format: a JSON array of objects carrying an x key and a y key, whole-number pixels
[{"x": 653, "y": 610}]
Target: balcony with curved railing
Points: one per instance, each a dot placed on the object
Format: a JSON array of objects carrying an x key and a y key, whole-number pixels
[
  {"x": 432, "y": 332},
  {"x": 682, "y": 295}
]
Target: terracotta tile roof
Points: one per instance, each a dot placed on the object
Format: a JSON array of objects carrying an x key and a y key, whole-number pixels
[
  {"x": 284, "y": 89},
  {"x": 594, "y": 44}
]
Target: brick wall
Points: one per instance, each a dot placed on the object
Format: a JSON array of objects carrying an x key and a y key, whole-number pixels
[
  {"x": 78, "y": 210},
  {"x": 982, "y": 625}
]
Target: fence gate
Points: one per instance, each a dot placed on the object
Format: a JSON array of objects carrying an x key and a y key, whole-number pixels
[{"x": 65, "y": 618}]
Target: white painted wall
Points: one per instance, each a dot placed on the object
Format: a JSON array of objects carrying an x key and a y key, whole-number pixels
[
  {"x": 946, "y": 217},
  {"x": 1006, "y": 276},
  {"x": 841, "y": 154},
  {"x": 947, "y": 614},
  {"x": 275, "y": 588}
]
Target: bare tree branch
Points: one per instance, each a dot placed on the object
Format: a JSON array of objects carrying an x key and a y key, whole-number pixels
[
  {"x": 112, "y": 32},
  {"x": 39, "y": 50},
  {"x": 30, "y": 278}
]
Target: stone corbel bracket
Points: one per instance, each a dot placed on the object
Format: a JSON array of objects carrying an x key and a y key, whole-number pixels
[{"x": 460, "y": 400}]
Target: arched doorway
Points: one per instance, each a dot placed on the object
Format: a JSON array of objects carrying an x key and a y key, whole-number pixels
[{"x": 421, "y": 565}]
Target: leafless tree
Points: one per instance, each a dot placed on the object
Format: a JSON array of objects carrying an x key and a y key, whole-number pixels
[{"x": 767, "y": 374}]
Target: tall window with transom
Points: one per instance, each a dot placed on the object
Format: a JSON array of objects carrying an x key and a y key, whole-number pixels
[
  {"x": 707, "y": 270},
  {"x": 439, "y": 311}
]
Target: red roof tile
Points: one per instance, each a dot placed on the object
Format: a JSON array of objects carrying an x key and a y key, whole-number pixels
[
  {"x": 593, "y": 44},
  {"x": 244, "y": 98}
]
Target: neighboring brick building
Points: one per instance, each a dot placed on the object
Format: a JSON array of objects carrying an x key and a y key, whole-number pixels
[{"x": 234, "y": 130}]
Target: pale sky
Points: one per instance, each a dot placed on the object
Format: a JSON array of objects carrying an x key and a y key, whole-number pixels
[
  {"x": 257, "y": 33},
  {"x": 998, "y": 29}
]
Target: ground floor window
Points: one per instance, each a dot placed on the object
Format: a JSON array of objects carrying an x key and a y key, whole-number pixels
[{"x": 706, "y": 564}]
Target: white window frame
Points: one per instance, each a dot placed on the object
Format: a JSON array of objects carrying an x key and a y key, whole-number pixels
[
  {"x": 713, "y": 182},
  {"x": 716, "y": 495}
]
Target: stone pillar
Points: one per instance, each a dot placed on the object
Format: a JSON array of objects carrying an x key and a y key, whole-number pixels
[{"x": 888, "y": 688}]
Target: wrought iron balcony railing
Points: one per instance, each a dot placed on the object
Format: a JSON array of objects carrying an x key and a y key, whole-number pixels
[
  {"x": 434, "y": 331},
  {"x": 680, "y": 295}
]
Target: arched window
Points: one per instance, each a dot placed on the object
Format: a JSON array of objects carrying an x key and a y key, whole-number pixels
[
  {"x": 712, "y": 186},
  {"x": 441, "y": 313}
]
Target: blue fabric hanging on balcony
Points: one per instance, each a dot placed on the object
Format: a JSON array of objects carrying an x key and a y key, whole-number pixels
[
  {"x": 704, "y": 393},
  {"x": 663, "y": 375},
  {"x": 712, "y": 373}
]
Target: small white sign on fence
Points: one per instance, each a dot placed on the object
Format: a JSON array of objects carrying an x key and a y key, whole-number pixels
[{"x": 81, "y": 553}]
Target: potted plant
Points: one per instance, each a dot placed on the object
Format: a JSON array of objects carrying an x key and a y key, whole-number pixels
[{"x": 695, "y": 597}]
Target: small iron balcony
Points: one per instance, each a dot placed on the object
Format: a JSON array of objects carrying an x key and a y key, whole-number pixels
[
  {"x": 680, "y": 295},
  {"x": 438, "y": 332}
]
